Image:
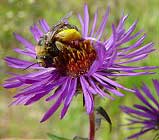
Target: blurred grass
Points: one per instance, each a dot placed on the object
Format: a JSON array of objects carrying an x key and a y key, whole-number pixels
[{"x": 23, "y": 122}]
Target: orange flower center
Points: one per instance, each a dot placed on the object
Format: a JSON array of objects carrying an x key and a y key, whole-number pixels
[{"x": 75, "y": 57}]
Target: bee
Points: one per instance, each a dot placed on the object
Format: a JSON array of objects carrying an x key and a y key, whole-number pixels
[
  {"x": 52, "y": 43},
  {"x": 64, "y": 48}
]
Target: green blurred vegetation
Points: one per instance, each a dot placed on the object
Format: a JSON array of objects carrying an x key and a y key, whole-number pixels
[{"x": 23, "y": 122}]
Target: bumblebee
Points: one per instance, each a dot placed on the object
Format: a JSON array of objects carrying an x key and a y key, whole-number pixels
[{"x": 64, "y": 48}]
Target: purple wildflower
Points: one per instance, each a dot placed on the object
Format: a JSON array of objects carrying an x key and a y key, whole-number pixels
[
  {"x": 145, "y": 116},
  {"x": 110, "y": 63}
]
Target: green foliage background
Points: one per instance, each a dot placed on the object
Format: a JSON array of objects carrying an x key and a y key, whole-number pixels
[{"x": 23, "y": 122}]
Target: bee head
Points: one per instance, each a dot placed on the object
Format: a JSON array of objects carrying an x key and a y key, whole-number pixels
[
  {"x": 45, "y": 52},
  {"x": 44, "y": 61}
]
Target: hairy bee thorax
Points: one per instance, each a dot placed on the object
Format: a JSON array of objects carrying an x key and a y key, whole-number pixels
[{"x": 63, "y": 48}]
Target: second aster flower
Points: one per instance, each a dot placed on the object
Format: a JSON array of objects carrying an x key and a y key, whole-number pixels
[
  {"x": 144, "y": 116},
  {"x": 83, "y": 61}
]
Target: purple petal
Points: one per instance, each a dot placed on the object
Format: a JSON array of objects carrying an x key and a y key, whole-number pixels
[
  {"x": 20, "y": 64},
  {"x": 27, "y": 80},
  {"x": 111, "y": 82},
  {"x": 122, "y": 21},
  {"x": 103, "y": 24},
  {"x": 42, "y": 73},
  {"x": 36, "y": 97},
  {"x": 149, "y": 94},
  {"x": 137, "y": 58},
  {"x": 86, "y": 20},
  {"x": 52, "y": 110},
  {"x": 59, "y": 91},
  {"x": 145, "y": 109},
  {"x": 114, "y": 51},
  {"x": 136, "y": 135},
  {"x": 41, "y": 86},
  {"x": 87, "y": 96},
  {"x": 93, "y": 68},
  {"x": 82, "y": 23},
  {"x": 143, "y": 99},
  {"x": 131, "y": 68},
  {"x": 135, "y": 45},
  {"x": 110, "y": 45},
  {"x": 88, "y": 86},
  {"x": 29, "y": 46},
  {"x": 156, "y": 85},
  {"x": 143, "y": 50},
  {"x": 129, "y": 110},
  {"x": 44, "y": 25},
  {"x": 94, "y": 24},
  {"x": 109, "y": 87},
  {"x": 12, "y": 84},
  {"x": 33, "y": 55},
  {"x": 69, "y": 98},
  {"x": 119, "y": 44},
  {"x": 131, "y": 74},
  {"x": 98, "y": 90},
  {"x": 127, "y": 34},
  {"x": 116, "y": 92},
  {"x": 37, "y": 33},
  {"x": 21, "y": 100}
]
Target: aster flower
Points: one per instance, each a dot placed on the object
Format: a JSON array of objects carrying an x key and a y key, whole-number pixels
[
  {"x": 145, "y": 116},
  {"x": 89, "y": 66}
]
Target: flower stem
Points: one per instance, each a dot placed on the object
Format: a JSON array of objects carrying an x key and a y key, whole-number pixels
[{"x": 92, "y": 126}]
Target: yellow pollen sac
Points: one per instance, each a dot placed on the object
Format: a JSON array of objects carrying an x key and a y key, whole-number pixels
[{"x": 68, "y": 35}]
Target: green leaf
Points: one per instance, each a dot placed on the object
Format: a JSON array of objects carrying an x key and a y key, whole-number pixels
[
  {"x": 105, "y": 115},
  {"x": 79, "y": 138},
  {"x": 54, "y": 137}
]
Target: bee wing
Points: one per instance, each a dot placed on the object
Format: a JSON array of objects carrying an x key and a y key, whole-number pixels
[{"x": 59, "y": 45}]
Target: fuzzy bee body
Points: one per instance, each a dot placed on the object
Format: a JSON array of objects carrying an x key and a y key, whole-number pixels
[
  {"x": 63, "y": 47},
  {"x": 46, "y": 49}
]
